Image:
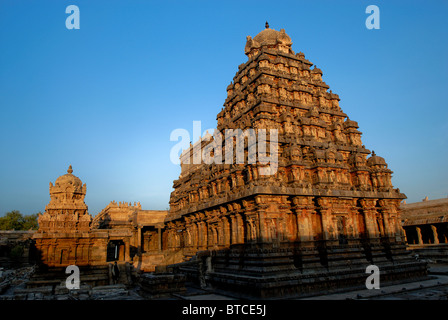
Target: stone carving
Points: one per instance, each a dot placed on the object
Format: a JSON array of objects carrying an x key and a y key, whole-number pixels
[{"x": 322, "y": 164}]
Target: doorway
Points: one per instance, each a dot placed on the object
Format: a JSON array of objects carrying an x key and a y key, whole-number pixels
[{"x": 115, "y": 250}]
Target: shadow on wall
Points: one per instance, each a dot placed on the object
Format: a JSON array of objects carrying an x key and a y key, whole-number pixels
[{"x": 17, "y": 249}]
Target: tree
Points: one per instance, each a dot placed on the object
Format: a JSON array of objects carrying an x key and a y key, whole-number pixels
[
  {"x": 30, "y": 222},
  {"x": 14, "y": 220}
]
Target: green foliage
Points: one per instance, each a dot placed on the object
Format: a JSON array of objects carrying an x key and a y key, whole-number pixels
[
  {"x": 14, "y": 220},
  {"x": 30, "y": 222}
]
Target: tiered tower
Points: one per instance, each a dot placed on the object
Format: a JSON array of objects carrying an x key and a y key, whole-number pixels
[
  {"x": 327, "y": 213},
  {"x": 67, "y": 211},
  {"x": 65, "y": 236}
]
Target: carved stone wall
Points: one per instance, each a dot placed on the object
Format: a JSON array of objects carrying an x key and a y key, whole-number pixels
[
  {"x": 64, "y": 236},
  {"x": 330, "y": 195},
  {"x": 326, "y": 186}
]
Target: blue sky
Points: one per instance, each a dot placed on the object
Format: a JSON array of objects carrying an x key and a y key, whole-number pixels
[{"x": 106, "y": 97}]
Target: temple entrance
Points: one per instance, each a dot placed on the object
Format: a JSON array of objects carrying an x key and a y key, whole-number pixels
[{"x": 115, "y": 250}]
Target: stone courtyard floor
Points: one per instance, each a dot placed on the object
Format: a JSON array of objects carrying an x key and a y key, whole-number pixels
[
  {"x": 436, "y": 288},
  {"x": 432, "y": 289}
]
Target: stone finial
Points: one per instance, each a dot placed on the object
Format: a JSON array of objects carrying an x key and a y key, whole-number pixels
[
  {"x": 373, "y": 153},
  {"x": 266, "y": 25},
  {"x": 70, "y": 170}
]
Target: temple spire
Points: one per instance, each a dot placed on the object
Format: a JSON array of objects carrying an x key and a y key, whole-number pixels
[
  {"x": 70, "y": 170},
  {"x": 266, "y": 25}
]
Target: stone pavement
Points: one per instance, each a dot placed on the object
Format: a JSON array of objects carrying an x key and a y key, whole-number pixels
[{"x": 435, "y": 288}]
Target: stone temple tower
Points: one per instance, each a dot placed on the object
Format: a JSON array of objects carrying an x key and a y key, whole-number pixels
[
  {"x": 67, "y": 211},
  {"x": 319, "y": 220},
  {"x": 65, "y": 236}
]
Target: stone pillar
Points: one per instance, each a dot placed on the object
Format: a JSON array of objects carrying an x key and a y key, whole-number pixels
[
  {"x": 195, "y": 236},
  {"x": 240, "y": 228},
  {"x": 139, "y": 240},
  {"x": 262, "y": 232},
  {"x": 304, "y": 229},
  {"x": 226, "y": 230},
  {"x": 102, "y": 257},
  {"x": 295, "y": 219},
  {"x": 371, "y": 224},
  {"x": 251, "y": 229},
  {"x": 386, "y": 224},
  {"x": 353, "y": 216},
  {"x": 435, "y": 234},
  {"x": 261, "y": 207},
  {"x": 202, "y": 235},
  {"x": 368, "y": 206},
  {"x": 399, "y": 231},
  {"x": 328, "y": 227},
  {"x": 159, "y": 232},
  {"x": 419, "y": 235},
  {"x": 234, "y": 229},
  {"x": 380, "y": 225},
  {"x": 127, "y": 250},
  {"x": 387, "y": 210}
]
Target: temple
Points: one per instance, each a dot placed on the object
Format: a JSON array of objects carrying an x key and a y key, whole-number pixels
[
  {"x": 327, "y": 212},
  {"x": 68, "y": 235},
  {"x": 311, "y": 220}
]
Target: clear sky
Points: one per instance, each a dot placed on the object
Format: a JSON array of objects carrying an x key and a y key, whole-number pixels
[{"x": 106, "y": 97}]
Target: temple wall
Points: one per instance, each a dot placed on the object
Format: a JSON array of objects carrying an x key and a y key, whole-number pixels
[{"x": 280, "y": 218}]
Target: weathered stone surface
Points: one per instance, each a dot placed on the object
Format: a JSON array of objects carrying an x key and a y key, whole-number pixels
[
  {"x": 154, "y": 285},
  {"x": 315, "y": 223}
]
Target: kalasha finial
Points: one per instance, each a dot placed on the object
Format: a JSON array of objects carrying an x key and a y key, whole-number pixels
[
  {"x": 266, "y": 25},
  {"x": 373, "y": 153},
  {"x": 70, "y": 170}
]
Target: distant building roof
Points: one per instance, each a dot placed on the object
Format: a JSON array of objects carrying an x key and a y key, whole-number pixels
[{"x": 425, "y": 212}]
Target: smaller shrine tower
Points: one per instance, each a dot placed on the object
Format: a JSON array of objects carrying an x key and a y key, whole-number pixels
[
  {"x": 65, "y": 236},
  {"x": 67, "y": 211}
]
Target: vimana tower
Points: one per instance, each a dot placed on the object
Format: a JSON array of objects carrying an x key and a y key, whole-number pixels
[{"x": 315, "y": 223}]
